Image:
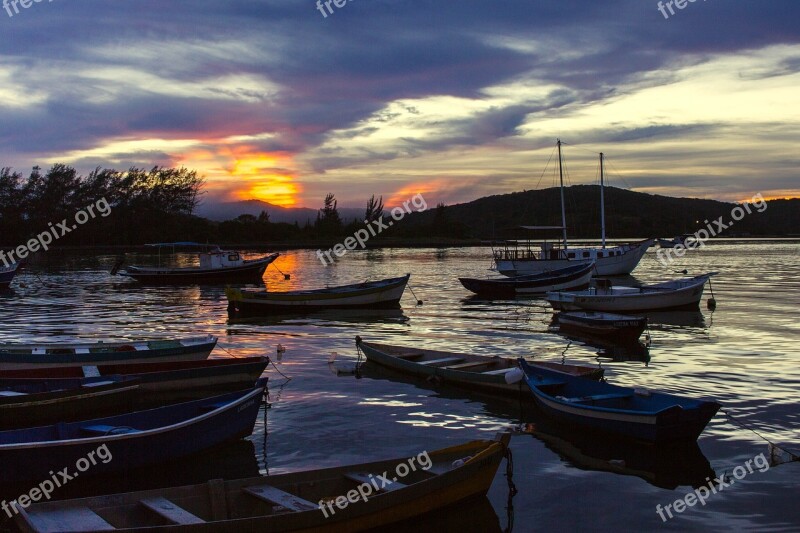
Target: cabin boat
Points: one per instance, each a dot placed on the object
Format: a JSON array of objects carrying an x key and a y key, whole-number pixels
[
  {"x": 216, "y": 266},
  {"x": 132, "y": 440},
  {"x": 297, "y": 501},
  {"x": 15, "y": 356},
  {"x": 575, "y": 276},
  {"x": 385, "y": 293},
  {"x": 678, "y": 294},
  {"x": 629, "y": 412},
  {"x": 511, "y": 259},
  {"x": 476, "y": 372},
  {"x": 7, "y": 274}
]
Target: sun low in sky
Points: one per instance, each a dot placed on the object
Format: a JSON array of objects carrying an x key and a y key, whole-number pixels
[{"x": 457, "y": 100}]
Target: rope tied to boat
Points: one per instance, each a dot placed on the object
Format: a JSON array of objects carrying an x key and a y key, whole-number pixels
[
  {"x": 512, "y": 489},
  {"x": 419, "y": 302},
  {"x": 793, "y": 457}
]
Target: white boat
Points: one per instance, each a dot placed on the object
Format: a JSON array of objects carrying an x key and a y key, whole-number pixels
[
  {"x": 609, "y": 260},
  {"x": 678, "y": 294}
]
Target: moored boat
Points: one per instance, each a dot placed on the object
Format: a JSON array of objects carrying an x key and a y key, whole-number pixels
[
  {"x": 216, "y": 266},
  {"x": 32, "y": 404},
  {"x": 617, "y": 328},
  {"x": 575, "y": 276},
  {"x": 488, "y": 374},
  {"x": 678, "y": 294},
  {"x": 7, "y": 274},
  {"x": 385, "y": 492},
  {"x": 636, "y": 413},
  {"x": 237, "y": 373},
  {"x": 130, "y": 440},
  {"x": 680, "y": 240},
  {"x": 41, "y": 355},
  {"x": 372, "y": 294}
]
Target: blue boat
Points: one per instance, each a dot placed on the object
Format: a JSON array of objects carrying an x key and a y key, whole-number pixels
[
  {"x": 636, "y": 413},
  {"x": 7, "y": 274},
  {"x": 124, "y": 442}
]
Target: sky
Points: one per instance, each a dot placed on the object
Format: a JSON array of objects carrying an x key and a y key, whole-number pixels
[{"x": 285, "y": 101}]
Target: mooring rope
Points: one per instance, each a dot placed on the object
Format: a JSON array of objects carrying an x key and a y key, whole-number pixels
[{"x": 734, "y": 420}]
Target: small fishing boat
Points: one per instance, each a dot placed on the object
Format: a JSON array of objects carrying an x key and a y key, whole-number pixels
[
  {"x": 40, "y": 355},
  {"x": 680, "y": 240},
  {"x": 131, "y": 440},
  {"x": 571, "y": 277},
  {"x": 235, "y": 374},
  {"x": 635, "y": 413},
  {"x": 678, "y": 294},
  {"x": 490, "y": 374},
  {"x": 622, "y": 329},
  {"x": 216, "y": 266},
  {"x": 7, "y": 274},
  {"x": 374, "y": 294},
  {"x": 32, "y": 404},
  {"x": 380, "y": 493}
]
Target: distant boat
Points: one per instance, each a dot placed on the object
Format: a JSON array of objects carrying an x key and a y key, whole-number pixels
[
  {"x": 635, "y": 413},
  {"x": 678, "y": 294},
  {"x": 43, "y": 402},
  {"x": 680, "y": 240},
  {"x": 216, "y": 266},
  {"x": 7, "y": 274},
  {"x": 377, "y": 294},
  {"x": 180, "y": 376},
  {"x": 133, "y": 440},
  {"x": 621, "y": 329},
  {"x": 41, "y": 355},
  {"x": 476, "y": 372},
  {"x": 572, "y": 277},
  {"x": 297, "y": 501},
  {"x": 513, "y": 260}
]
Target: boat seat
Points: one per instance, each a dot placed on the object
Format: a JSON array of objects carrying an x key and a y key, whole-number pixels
[
  {"x": 444, "y": 360},
  {"x": 70, "y": 518},
  {"x": 82, "y": 351},
  {"x": 547, "y": 382},
  {"x": 270, "y": 494},
  {"x": 365, "y": 478},
  {"x": 166, "y": 509},
  {"x": 498, "y": 372},
  {"x": 463, "y": 366},
  {"x": 90, "y": 371},
  {"x": 103, "y": 430},
  {"x": 600, "y": 397}
]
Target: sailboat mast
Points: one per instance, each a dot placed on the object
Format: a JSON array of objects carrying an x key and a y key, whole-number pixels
[
  {"x": 561, "y": 179},
  {"x": 602, "y": 204}
]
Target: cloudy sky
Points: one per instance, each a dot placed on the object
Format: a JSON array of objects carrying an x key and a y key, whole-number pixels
[{"x": 456, "y": 99}]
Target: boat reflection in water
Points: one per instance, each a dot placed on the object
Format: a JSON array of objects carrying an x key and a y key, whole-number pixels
[
  {"x": 664, "y": 466},
  {"x": 606, "y": 347},
  {"x": 679, "y": 319},
  {"x": 354, "y": 316}
]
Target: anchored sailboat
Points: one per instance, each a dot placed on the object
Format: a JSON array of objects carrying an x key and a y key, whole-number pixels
[{"x": 609, "y": 260}]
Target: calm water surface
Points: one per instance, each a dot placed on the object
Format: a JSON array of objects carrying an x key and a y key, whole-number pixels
[{"x": 746, "y": 355}]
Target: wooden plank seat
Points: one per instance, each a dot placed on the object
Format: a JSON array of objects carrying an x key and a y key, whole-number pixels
[
  {"x": 102, "y": 429},
  {"x": 364, "y": 478},
  {"x": 171, "y": 512},
  {"x": 601, "y": 397},
  {"x": 442, "y": 361},
  {"x": 270, "y": 494},
  {"x": 70, "y": 519},
  {"x": 464, "y": 366}
]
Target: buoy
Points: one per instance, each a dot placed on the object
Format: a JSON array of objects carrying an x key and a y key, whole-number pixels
[{"x": 711, "y": 304}]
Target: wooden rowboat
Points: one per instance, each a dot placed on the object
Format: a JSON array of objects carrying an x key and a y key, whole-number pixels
[
  {"x": 41, "y": 355},
  {"x": 678, "y": 294},
  {"x": 621, "y": 329},
  {"x": 463, "y": 370},
  {"x": 7, "y": 274},
  {"x": 571, "y": 277},
  {"x": 300, "y": 501},
  {"x": 373, "y": 294},
  {"x": 32, "y": 404},
  {"x": 130, "y": 441},
  {"x": 233, "y": 374},
  {"x": 635, "y": 413}
]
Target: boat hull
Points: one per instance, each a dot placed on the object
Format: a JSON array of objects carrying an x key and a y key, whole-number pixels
[
  {"x": 630, "y": 299},
  {"x": 167, "y": 433},
  {"x": 18, "y": 357},
  {"x": 251, "y": 270},
  {"x": 614, "y": 265},
  {"x": 571, "y": 277},
  {"x": 619, "y": 329},
  {"x": 380, "y": 294},
  {"x": 7, "y": 275}
]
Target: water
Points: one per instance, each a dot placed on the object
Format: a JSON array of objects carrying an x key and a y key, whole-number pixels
[{"x": 746, "y": 355}]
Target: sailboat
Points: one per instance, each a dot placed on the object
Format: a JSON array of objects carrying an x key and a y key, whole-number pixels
[{"x": 609, "y": 260}]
